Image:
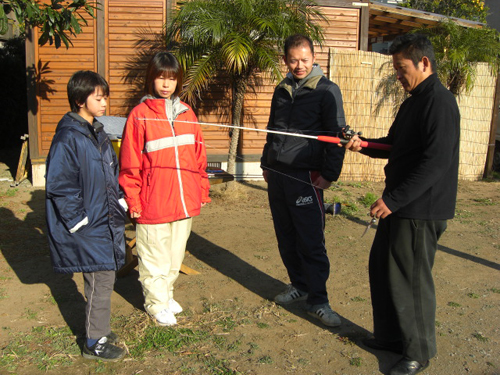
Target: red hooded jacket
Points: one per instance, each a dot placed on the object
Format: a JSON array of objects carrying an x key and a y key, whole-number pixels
[{"x": 163, "y": 162}]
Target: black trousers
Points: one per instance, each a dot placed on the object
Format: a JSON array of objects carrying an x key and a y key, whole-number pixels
[
  {"x": 401, "y": 283},
  {"x": 98, "y": 287},
  {"x": 299, "y": 222}
]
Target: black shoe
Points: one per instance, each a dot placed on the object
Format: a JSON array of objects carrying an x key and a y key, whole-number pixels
[
  {"x": 408, "y": 367},
  {"x": 103, "y": 350},
  {"x": 112, "y": 338},
  {"x": 373, "y": 343}
]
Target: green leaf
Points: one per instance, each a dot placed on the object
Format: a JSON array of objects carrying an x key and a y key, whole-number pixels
[{"x": 4, "y": 22}]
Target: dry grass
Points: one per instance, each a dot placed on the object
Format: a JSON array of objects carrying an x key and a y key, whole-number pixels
[{"x": 229, "y": 192}]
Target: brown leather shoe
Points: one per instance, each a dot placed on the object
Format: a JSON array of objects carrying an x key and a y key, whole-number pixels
[
  {"x": 373, "y": 343},
  {"x": 408, "y": 367}
]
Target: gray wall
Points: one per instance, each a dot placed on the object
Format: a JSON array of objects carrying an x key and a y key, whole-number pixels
[{"x": 494, "y": 18}]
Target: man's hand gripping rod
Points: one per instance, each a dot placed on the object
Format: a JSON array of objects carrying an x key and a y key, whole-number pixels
[{"x": 348, "y": 134}]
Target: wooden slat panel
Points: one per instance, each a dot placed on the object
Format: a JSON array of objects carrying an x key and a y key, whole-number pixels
[
  {"x": 60, "y": 65},
  {"x": 126, "y": 24}
]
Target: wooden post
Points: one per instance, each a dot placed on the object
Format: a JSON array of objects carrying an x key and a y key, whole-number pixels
[
  {"x": 22, "y": 174},
  {"x": 364, "y": 24}
]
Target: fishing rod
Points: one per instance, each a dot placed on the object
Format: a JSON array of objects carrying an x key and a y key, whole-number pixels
[{"x": 348, "y": 133}]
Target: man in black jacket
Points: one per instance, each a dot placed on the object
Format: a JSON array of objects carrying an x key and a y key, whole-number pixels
[
  {"x": 298, "y": 169},
  {"x": 418, "y": 199}
]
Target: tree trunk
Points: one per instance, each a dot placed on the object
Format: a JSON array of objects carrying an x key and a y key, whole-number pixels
[{"x": 239, "y": 90}]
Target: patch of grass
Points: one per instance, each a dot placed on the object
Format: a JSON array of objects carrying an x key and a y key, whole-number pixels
[
  {"x": 99, "y": 368},
  {"x": 157, "y": 339},
  {"x": 303, "y": 361},
  {"x": 473, "y": 295},
  {"x": 337, "y": 186},
  {"x": 210, "y": 307},
  {"x": 262, "y": 325},
  {"x": 355, "y": 361},
  {"x": 368, "y": 199},
  {"x": 30, "y": 314},
  {"x": 463, "y": 214},
  {"x": 44, "y": 347},
  {"x": 10, "y": 192},
  {"x": 49, "y": 298},
  {"x": 227, "y": 323},
  {"x": 437, "y": 324},
  {"x": 265, "y": 360},
  {"x": 454, "y": 304},
  {"x": 479, "y": 337},
  {"x": 220, "y": 342},
  {"x": 484, "y": 202},
  {"x": 234, "y": 346},
  {"x": 494, "y": 290},
  {"x": 252, "y": 347},
  {"x": 3, "y": 293},
  {"x": 217, "y": 366},
  {"x": 358, "y": 299},
  {"x": 349, "y": 208}
]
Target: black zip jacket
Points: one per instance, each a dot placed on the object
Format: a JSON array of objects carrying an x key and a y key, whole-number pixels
[
  {"x": 422, "y": 170},
  {"x": 312, "y": 106}
]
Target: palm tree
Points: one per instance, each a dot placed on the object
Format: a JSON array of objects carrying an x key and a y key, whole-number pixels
[
  {"x": 458, "y": 51},
  {"x": 239, "y": 37}
]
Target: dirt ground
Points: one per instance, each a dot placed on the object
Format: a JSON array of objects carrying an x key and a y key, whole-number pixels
[{"x": 233, "y": 247}]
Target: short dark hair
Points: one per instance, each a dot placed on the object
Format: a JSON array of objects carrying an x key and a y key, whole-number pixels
[
  {"x": 162, "y": 63},
  {"x": 81, "y": 85},
  {"x": 414, "y": 47},
  {"x": 298, "y": 40}
]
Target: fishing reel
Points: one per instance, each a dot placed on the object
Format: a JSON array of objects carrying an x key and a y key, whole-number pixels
[{"x": 348, "y": 133}]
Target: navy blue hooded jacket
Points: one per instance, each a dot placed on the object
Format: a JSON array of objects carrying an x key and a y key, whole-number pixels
[{"x": 82, "y": 185}]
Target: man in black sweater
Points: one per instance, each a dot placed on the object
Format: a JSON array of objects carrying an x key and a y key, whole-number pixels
[
  {"x": 298, "y": 169},
  {"x": 418, "y": 199}
]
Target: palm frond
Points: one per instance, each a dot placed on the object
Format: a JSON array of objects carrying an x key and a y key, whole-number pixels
[
  {"x": 459, "y": 49},
  {"x": 198, "y": 77}
]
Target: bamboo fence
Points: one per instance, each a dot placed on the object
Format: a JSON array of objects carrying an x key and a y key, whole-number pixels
[{"x": 359, "y": 73}]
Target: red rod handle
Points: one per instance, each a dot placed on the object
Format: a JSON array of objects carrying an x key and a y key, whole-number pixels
[
  {"x": 377, "y": 146},
  {"x": 337, "y": 140}
]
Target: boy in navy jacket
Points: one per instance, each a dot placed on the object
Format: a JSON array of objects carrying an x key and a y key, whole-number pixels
[{"x": 85, "y": 220}]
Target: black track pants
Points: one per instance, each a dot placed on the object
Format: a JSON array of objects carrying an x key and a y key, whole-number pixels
[{"x": 299, "y": 222}]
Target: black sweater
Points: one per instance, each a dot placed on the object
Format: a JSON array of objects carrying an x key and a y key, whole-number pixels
[
  {"x": 314, "y": 107},
  {"x": 422, "y": 170}
]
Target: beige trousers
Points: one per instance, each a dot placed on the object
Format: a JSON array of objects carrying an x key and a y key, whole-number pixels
[{"x": 160, "y": 250}]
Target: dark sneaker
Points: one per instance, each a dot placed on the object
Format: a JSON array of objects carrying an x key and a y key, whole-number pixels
[
  {"x": 112, "y": 338},
  {"x": 103, "y": 351}
]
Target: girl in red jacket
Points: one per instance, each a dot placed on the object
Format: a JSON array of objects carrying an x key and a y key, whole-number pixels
[{"x": 162, "y": 172}]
